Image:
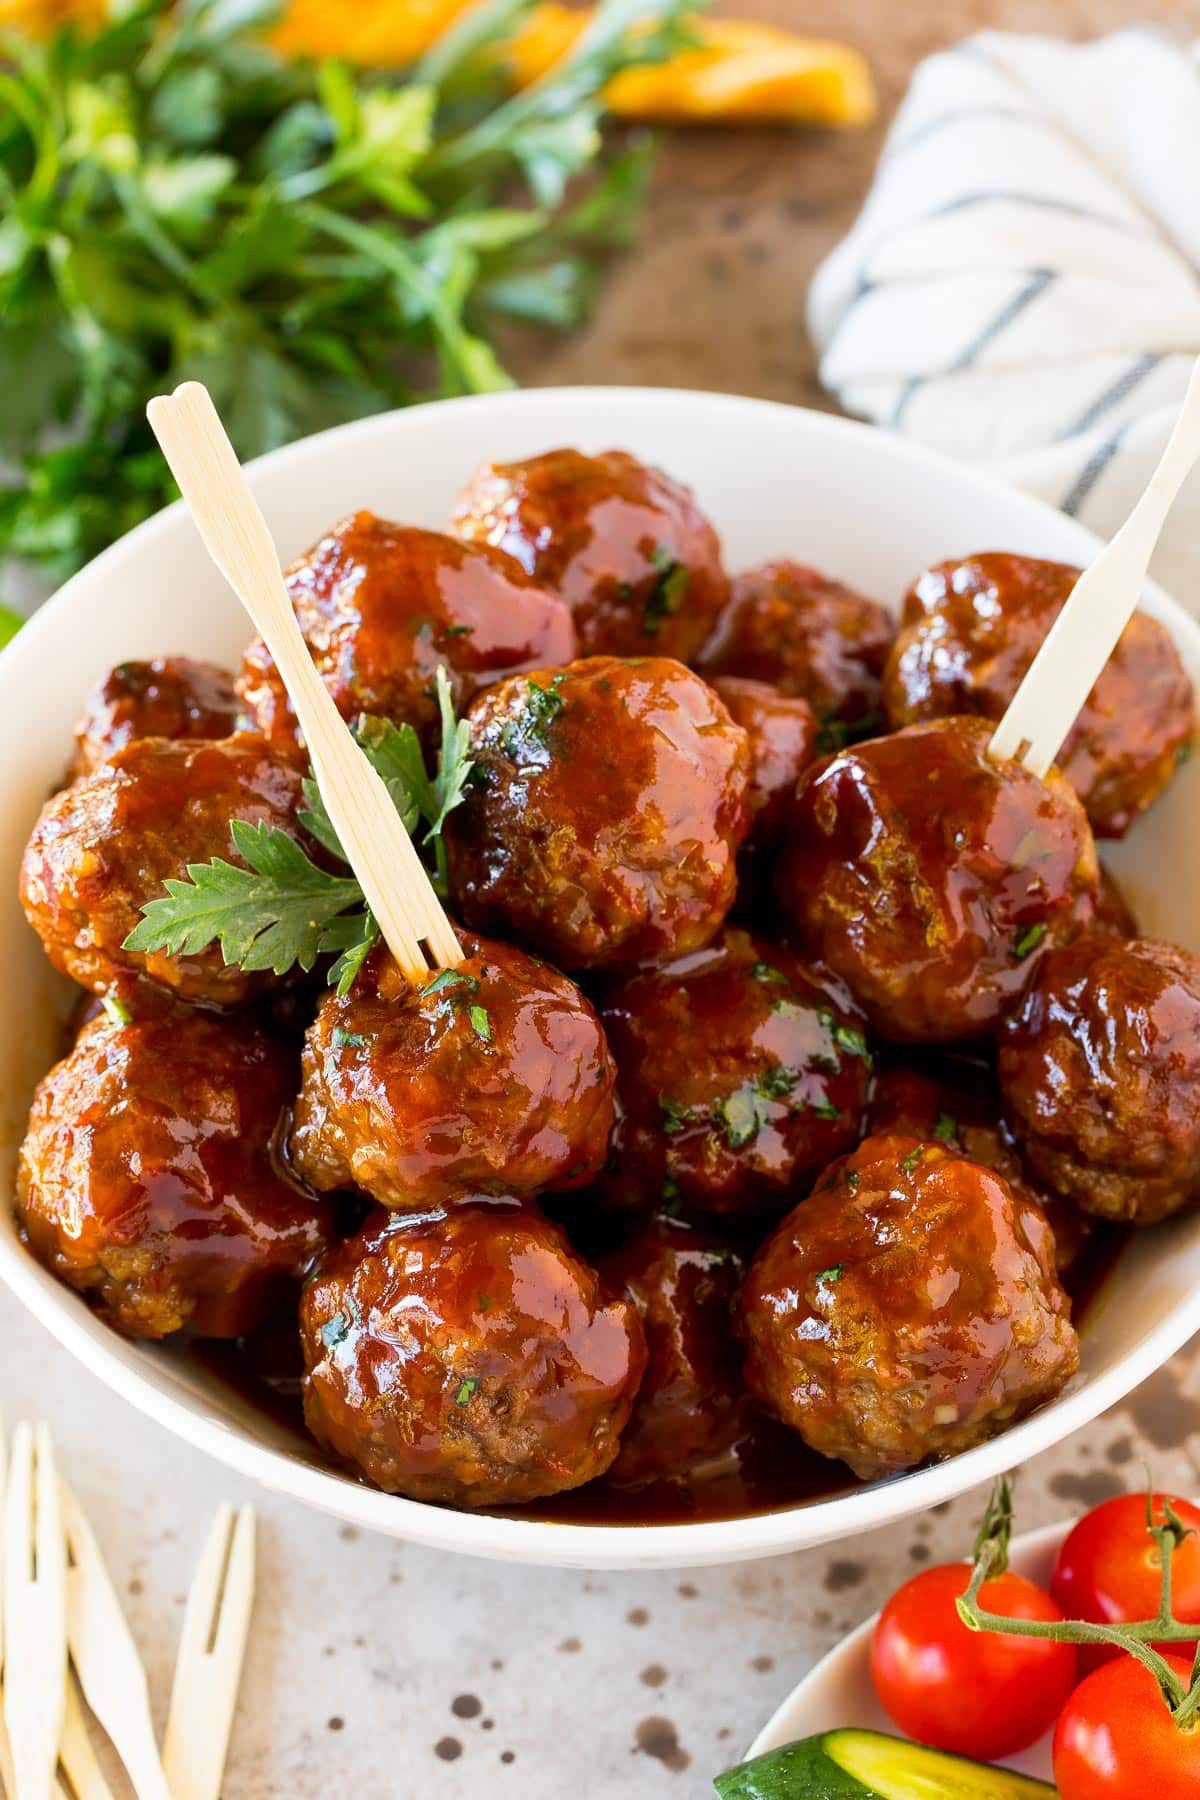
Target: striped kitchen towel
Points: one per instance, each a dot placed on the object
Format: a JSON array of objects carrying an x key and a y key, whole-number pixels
[{"x": 1022, "y": 286}]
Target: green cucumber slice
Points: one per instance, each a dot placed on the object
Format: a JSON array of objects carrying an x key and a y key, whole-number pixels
[{"x": 868, "y": 1765}]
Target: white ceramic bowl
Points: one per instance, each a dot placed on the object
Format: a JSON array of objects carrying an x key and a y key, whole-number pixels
[{"x": 776, "y": 481}]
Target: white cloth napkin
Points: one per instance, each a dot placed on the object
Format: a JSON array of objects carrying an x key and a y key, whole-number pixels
[{"x": 1022, "y": 286}]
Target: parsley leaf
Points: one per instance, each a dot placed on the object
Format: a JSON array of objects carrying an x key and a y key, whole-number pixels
[
  {"x": 448, "y": 980},
  {"x": 481, "y": 1023},
  {"x": 1028, "y": 941},
  {"x": 666, "y": 595},
  {"x": 741, "y": 1115},
  {"x": 676, "y": 1118},
  {"x": 272, "y": 914},
  {"x": 946, "y": 1129},
  {"x": 833, "y": 1274},
  {"x": 178, "y": 200},
  {"x": 467, "y": 1389},
  {"x": 540, "y": 709},
  {"x": 282, "y": 910}
]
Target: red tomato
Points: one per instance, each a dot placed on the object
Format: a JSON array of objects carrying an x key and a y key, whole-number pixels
[
  {"x": 974, "y": 1692},
  {"x": 1116, "y": 1740},
  {"x": 1109, "y": 1570}
]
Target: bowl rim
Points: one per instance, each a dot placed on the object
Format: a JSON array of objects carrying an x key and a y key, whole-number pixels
[{"x": 539, "y": 1541}]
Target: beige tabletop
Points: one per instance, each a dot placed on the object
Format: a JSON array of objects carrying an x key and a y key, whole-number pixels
[{"x": 378, "y": 1671}]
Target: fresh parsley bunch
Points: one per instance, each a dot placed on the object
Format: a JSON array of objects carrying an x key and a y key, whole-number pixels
[
  {"x": 177, "y": 201},
  {"x": 282, "y": 910}
]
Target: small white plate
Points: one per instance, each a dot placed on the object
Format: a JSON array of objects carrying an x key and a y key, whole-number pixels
[{"x": 839, "y": 1691}]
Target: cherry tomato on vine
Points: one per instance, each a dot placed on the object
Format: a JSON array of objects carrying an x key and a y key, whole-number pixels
[
  {"x": 974, "y": 1692},
  {"x": 1109, "y": 1570},
  {"x": 1116, "y": 1739}
]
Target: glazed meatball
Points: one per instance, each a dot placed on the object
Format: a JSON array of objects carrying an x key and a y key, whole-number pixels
[
  {"x": 907, "y": 1309},
  {"x": 959, "y": 1104},
  {"x": 106, "y": 846},
  {"x": 604, "y": 820},
  {"x": 741, "y": 1070},
  {"x": 1100, "y": 1069},
  {"x": 805, "y": 634},
  {"x": 468, "y": 1357},
  {"x": 383, "y": 606},
  {"x": 169, "y": 697},
  {"x": 692, "y": 1406},
  {"x": 494, "y": 1076},
  {"x": 971, "y": 630},
  {"x": 626, "y": 547},
  {"x": 782, "y": 732},
  {"x": 148, "y": 1178},
  {"x": 931, "y": 879}
]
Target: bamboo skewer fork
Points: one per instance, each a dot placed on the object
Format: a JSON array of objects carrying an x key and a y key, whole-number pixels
[
  {"x": 381, "y": 853},
  {"x": 35, "y": 1613},
  {"x": 1103, "y": 600},
  {"x": 215, "y": 1624}
]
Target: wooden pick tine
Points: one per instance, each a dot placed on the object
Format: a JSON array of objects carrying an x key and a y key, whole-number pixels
[
  {"x": 229, "y": 519},
  {"x": 1085, "y": 634}
]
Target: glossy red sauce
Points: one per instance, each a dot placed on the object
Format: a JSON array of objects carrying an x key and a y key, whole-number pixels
[{"x": 769, "y": 1469}]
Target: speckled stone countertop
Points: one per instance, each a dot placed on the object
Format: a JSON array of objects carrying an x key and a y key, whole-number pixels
[{"x": 382, "y": 1672}]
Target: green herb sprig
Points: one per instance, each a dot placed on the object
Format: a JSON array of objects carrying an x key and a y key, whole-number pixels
[
  {"x": 177, "y": 200},
  {"x": 281, "y": 910}
]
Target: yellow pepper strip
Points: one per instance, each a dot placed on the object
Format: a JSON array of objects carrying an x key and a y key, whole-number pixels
[
  {"x": 38, "y": 18},
  {"x": 739, "y": 72},
  {"x": 370, "y": 33}
]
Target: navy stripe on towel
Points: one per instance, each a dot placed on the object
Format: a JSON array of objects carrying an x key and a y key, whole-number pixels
[
  {"x": 1119, "y": 390},
  {"x": 1039, "y": 281},
  {"x": 1091, "y": 472}
]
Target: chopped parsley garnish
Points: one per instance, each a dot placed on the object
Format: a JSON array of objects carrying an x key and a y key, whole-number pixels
[
  {"x": 911, "y": 1160},
  {"x": 341, "y": 1039},
  {"x": 833, "y": 1274},
  {"x": 279, "y": 910},
  {"x": 448, "y": 981},
  {"x": 741, "y": 1116},
  {"x": 667, "y": 593},
  {"x": 765, "y": 971},
  {"x": 483, "y": 1301},
  {"x": 542, "y": 706},
  {"x": 457, "y": 631},
  {"x": 1028, "y": 941},
  {"x": 481, "y": 1023},
  {"x": 467, "y": 1387},
  {"x": 777, "y": 1082},
  {"x": 834, "y": 733},
  {"x": 845, "y": 1037},
  {"x": 335, "y": 1331},
  {"x": 853, "y": 1043},
  {"x": 946, "y": 1129},
  {"x": 675, "y": 1117},
  {"x": 852, "y": 1178},
  {"x": 116, "y": 1011},
  {"x": 825, "y": 1109},
  {"x": 670, "y": 1199}
]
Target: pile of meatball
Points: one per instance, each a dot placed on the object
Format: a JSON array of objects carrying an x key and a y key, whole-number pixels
[{"x": 796, "y": 1047}]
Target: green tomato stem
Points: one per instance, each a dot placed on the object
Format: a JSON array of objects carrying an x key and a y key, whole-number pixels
[{"x": 1138, "y": 1637}]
